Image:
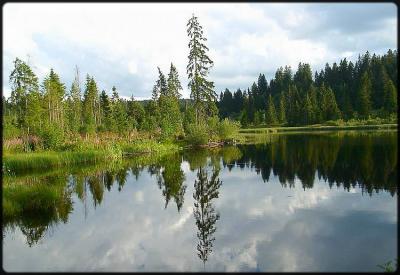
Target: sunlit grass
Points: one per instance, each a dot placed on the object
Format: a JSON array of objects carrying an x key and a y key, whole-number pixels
[{"x": 28, "y": 162}]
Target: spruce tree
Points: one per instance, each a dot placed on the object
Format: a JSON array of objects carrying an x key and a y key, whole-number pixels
[
  {"x": 118, "y": 112},
  {"x": 308, "y": 110},
  {"x": 136, "y": 112},
  {"x": 364, "y": 96},
  {"x": 271, "y": 117},
  {"x": 106, "y": 113},
  {"x": 35, "y": 112},
  {"x": 89, "y": 106},
  {"x": 282, "y": 109},
  {"x": 54, "y": 95},
  {"x": 173, "y": 84},
  {"x": 23, "y": 81},
  {"x": 75, "y": 105},
  {"x": 390, "y": 95},
  {"x": 201, "y": 89}
]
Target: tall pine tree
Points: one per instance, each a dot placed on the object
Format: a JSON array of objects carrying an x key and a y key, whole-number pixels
[{"x": 201, "y": 90}]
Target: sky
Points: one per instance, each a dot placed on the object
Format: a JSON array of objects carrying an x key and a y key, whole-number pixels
[{"x": 122, "y": 44}]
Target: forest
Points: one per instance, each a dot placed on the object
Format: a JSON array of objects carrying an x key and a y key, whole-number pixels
[
  {"x": 365, "y": 89},
  {"x": 49, "y": 115}
]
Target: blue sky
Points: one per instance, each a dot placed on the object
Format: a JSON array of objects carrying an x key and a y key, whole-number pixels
[{"x": 122, "y": 44}]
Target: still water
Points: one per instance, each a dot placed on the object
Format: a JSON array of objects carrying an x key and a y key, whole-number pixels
[{"x": 298, "y": 202}]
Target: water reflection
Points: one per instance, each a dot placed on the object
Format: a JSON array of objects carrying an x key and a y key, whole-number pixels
[
  {"x": 365, "y": 161},
  {"x": 204, "y": 213}
]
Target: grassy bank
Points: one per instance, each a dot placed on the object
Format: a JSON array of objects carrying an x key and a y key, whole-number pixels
[
  {"x": 317, "y": 127},
  {"x": 15, "y": 163}
]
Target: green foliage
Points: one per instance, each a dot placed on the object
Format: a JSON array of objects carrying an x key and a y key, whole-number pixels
[
  {"x": 388, "y": 267},
  {"x": 173, "y": 84},
  {"x": 20, "y": 198},
  {"x": 10, "y": 130},
  {"x": 390, "y": 95},
  {"x": 271, "y": 117},
  {"x": 201, "y": 89},
  {"x": 52, "y": 136},
  {"x": 33, "y": 161},
  {"x": 282, "y": 110},
  {"x": 364, "y": 96},
  {"x": 342, "y": 90},
  {"x": 329, "y": 108},
  {"x": 258, "y": 118},
  {"x": 213, "y": 128},
  {"x": 120, "y": 122},
  {"x": 23, "y": 82},
  {"x": 90, "y": 110},
  {"x": 197, "y": 134},
  {"x": 228, "y": 129},
  {"x": 171, "y": 120},
  {"x": 136, "y": 112}
]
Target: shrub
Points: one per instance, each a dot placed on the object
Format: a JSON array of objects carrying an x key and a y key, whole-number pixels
[
  {"x": 197, "y": 134},
  {"x": 51, "y": 136},
  {"x": 213, "y": 128},
  {"x": 228, "y": 129}
]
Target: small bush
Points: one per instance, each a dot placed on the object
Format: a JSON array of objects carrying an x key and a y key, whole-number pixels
[
  {"x": 52, "y": 137},
  {"x": 213, "y": 126},
  {"x": 197, "y": 134},
  {"x": 228, "y": 129}
]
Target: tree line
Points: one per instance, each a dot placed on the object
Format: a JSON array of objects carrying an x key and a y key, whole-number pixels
[
  {"x": 367, "y": 88},
  {"x": 52, "y": 113}
]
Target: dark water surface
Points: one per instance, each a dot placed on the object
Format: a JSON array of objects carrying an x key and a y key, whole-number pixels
[{"x": 299, "y": 202}]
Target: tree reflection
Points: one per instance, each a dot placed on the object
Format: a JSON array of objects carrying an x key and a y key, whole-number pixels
[
  {"x": 204, "y": 212},
  {"x": 367, "y": 160},
  {"x": 171, "y": 180},
  {"x": 36, "y": 208},
  {"x": 35, "y": 203}
]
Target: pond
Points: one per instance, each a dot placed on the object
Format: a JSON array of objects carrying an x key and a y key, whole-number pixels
[{"x": 294, "y": 202}]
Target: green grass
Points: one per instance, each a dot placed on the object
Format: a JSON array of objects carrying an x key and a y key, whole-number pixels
[
  {"x": 14, "y": 163},
  {"x": 316, "y": 127},
  {"x": 41, "y": 160},
  {"x": 148, "y": 146}
]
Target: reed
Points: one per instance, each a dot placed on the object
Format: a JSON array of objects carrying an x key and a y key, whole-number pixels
[
  {"x": 13, "y": 163},
  {"x": 19, "y": 163}
]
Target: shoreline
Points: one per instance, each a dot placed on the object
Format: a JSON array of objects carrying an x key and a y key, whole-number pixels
[
  {"x": 14, "y": 163},
  {"x": 310, "y": 128}
]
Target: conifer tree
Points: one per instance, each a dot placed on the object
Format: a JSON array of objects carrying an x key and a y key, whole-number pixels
[
  {"x": 106, "y": 112},
  {"x": 54, "y": 95},
  {"x": 23, "y": 81},
  {"x": 271, "y": 117},
  {"x": 308, "y": 111},
  {"x": 364, "y": 96},
  {"x": 90, "y": 98},
  {"x": 201, "y": 89},
  {"x": 136, "y": 112},
  {"x": 282, "y": 109},
  {"x": 173, "y": 84},
  {"x": 118, "y": 112},
  {"x": 75, "y": 105},
  {"x": 390, "y": 95},
  {"x": 35, "y": 112}
]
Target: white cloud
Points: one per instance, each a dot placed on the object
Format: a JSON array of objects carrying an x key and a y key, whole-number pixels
[{"x": 122, "y": 44}]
